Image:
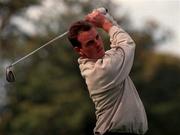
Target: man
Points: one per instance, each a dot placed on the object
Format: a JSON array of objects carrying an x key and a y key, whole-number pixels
[{"x": 119, "y": 110}]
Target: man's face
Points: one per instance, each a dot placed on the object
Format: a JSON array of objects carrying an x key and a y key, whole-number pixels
[{"x": 91, "y": 44}]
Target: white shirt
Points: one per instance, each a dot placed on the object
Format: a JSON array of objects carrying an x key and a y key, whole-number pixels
[{"x": 118, "y": 105}]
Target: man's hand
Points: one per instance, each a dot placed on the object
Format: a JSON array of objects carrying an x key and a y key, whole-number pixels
[{"x": 99, "y": 20}]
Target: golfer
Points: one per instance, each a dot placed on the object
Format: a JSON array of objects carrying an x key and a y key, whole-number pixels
[{"x": 119, "y": 110}]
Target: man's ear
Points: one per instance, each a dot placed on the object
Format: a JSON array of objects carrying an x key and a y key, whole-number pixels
[{"x": 78, "y": 50}]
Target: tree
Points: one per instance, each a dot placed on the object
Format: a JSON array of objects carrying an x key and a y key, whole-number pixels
[{"x": 50, "y": 97}]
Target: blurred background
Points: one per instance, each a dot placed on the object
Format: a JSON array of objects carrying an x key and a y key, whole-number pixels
[{"x": 50, "y": 97}]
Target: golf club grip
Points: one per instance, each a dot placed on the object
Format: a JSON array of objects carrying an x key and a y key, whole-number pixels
[{"x": 104, "y": 11}]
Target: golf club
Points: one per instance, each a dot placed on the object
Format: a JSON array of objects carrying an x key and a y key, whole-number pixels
[
  {"x": 10, "y": 77},
  {"x": 9, "y": 72}
]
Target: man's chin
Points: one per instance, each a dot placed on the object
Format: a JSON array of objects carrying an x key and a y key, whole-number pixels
[{"x": 101, "y": 54}]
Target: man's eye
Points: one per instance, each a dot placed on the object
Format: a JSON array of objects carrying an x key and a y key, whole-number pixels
[{"x": 89, "y": 43}]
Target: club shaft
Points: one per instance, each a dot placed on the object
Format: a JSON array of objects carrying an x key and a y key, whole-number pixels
[{"x": 31, "y": 53}]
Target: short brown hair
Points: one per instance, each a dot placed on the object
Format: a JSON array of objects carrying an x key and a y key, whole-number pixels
[{"x": 75, "y": 29}]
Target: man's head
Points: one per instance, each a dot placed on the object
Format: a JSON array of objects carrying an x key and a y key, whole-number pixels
[{"x": 86, "y": 40}]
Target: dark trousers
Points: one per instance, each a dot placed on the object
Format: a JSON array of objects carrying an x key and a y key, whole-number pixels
[{"x": 111, "y": 133}]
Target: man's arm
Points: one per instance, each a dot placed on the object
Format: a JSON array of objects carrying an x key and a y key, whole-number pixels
[{"x": 120, "y": 57}]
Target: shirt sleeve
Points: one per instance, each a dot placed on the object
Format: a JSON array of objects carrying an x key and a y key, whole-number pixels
[{"x": 121, "y": 54}]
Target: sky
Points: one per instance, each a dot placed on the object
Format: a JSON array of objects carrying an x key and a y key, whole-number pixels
[{"x": 166, "y": 12}]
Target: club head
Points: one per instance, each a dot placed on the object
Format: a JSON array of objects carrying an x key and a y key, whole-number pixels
[{"x": 9, "y": 74}]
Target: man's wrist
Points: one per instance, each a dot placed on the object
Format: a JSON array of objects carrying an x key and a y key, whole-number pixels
[{"x": 107, "y": 25}]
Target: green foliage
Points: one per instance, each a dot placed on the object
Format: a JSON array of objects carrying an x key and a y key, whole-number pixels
[
  {"x": 161, "y": 94},
  {"x": 50, "y": 97}
]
